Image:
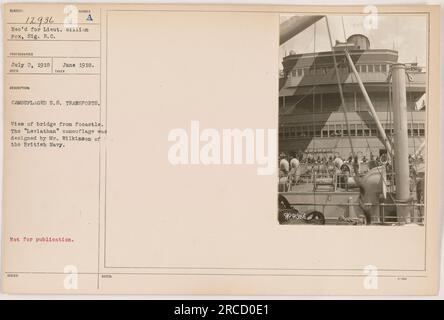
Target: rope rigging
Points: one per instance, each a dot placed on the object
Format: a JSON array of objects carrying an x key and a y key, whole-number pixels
[
  {"x": 338, "y": 79},
  {"x": 383, "y": 179}
]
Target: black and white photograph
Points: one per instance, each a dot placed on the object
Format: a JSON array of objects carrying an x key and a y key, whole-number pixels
[{"x": 352, "y": 119}]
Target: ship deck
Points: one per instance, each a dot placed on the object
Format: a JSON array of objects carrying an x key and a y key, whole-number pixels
[{"x": 332, "y": 204}]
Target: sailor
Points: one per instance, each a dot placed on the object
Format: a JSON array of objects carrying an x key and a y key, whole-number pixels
[
  {"x": 309, "y": 158},
  {"x": 383, "y": 158},
  {"x": 284, "y": 167},
  {"x": 341, "y": 179},
  {"x": 294, "y": 163},
  {"x": 294, "y": 171},
  {"x": 419, "y": 179},
  {"x": 372, "y": 163},
  {"x": 338, "y": 163}
]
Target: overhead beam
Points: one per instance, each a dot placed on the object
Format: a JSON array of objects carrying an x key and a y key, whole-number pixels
[{"x": 291, "y": 27}]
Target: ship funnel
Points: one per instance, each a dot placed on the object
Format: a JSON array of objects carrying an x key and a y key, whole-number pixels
[
  {"x": 401, "y": 141},
  {"x": 360, "y": 41}
]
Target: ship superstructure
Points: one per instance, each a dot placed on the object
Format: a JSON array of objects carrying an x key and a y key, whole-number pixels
[{"x": 311, "y": 119}]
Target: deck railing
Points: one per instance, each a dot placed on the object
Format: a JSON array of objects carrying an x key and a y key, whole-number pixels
[{"x": 416, "y": 215}]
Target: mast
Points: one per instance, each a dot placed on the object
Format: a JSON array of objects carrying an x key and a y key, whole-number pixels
[
  {"x": 370, "y": 105},
  {"x": 401, "y": 141}
]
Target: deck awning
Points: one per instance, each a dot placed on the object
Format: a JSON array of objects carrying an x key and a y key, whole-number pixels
[
  {"x": 323, "y": 145},
  {"x": 285, "y": 92}
]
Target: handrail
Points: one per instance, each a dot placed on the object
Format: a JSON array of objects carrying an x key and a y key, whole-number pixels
[{"x": 357, "y": 204}]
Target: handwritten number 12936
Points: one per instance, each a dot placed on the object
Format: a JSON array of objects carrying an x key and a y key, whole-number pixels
[{"x": 39, "y": 20}]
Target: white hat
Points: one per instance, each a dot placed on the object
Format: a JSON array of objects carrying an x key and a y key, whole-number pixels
[
  {"x": 283, "y": 165},
  {"x": 294, "y": 163}
]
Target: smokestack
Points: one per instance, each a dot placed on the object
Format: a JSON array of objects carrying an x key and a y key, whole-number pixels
[{"x": 294, "y": 25}]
